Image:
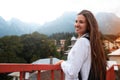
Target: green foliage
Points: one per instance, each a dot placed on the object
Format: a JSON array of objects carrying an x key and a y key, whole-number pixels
[
  {"x": 26, "y": 48},
  {"x": 67, "y": 43},
  {"x": 10, "y": 46},
  {"x": 3, "y": 76},
  {"x": 62, "y": 35}
]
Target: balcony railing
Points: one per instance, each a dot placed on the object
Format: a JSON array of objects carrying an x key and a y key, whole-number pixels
[
  {"x": 111, "y": 73},
  {"x": 22, "y": 68}
]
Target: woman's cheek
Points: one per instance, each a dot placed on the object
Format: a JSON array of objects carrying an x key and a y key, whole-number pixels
[{"x": 83, "y": 28}]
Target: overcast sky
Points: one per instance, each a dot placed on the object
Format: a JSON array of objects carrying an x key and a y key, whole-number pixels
[{"x": 41, "y": 11}]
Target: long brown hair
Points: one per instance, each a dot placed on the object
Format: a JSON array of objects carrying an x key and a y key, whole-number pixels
[{"x": 98, "y": 60}]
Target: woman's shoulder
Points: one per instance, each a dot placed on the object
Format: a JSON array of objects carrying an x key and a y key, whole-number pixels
[{"x": 83, "y": 40}]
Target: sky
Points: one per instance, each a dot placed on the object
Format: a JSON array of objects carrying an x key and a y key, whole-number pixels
[{"x": 41, "y": 11}]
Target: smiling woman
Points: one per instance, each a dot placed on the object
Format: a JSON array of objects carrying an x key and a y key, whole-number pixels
[{"x": 86, "y": 58}]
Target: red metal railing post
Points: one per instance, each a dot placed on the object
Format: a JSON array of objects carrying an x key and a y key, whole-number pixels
[
  {"x": 110, "y": 74},
  {"x": 62, "y": 77},
  {"x": 22, "y": 75},
  {"x": 52, "y": 74},
  {"x": 38, "y": 75}
]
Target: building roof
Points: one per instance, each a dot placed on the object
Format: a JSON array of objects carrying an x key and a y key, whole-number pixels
[
  {"x": 45, "y": 61},
  {"x": 67, "y": 51},
  {"x": 71, "y": 46},
  {"x": 111, "y": 63},
  {"x": 17, "y": 74},
  {"x": 73, "y": 38},
  {"x": 118, "y": 39},
  {"x": 116, "y": 52}
]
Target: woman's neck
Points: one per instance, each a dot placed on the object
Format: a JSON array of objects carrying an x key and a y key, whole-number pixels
[{"x": 79, "y": 35}]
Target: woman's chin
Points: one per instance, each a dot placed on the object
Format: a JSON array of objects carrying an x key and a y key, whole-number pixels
[{"x": 77, "y": 32}]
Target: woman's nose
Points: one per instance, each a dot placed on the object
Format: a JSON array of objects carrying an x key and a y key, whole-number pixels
[{"x": 76, "y": 24}]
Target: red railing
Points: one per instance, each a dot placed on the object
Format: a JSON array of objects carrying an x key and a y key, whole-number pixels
[
  {"x": 22, "y": 68},
  {"x": 111, "y": 73}
]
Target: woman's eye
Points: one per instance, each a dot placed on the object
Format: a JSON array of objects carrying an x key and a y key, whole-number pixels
[
  {"x": 76, "y": 21},
  {"x": 81, "y": 22}
]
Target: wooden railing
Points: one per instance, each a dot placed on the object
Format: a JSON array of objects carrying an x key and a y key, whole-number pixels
[{"x": 22, "y": 68}]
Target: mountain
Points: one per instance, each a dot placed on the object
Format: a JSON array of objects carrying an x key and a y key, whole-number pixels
[
  {"x": 3, "y": 27},
  {"x": 19, "y": 27},
  {"x": 64, "y": 23},
  {"x": 16, "y": 27},
  {"x": 109, "y": 23}
]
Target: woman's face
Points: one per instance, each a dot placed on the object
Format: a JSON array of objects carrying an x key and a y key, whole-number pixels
[{"x": 80, "y": 24}]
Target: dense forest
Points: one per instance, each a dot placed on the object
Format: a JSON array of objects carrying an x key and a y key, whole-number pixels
[{"x": 26, "y": 48}]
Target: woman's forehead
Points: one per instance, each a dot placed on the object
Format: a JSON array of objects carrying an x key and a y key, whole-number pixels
[{"x": 80, "y": 17}]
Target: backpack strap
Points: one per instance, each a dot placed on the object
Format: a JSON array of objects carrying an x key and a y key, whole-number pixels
[{"x": 86, "y": 36}]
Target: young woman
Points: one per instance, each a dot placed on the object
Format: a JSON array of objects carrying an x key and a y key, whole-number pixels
[{"x": 86, "y": 60}]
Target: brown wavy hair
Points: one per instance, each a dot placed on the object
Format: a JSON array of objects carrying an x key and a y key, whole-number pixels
[{"x": 98, "y": 60}]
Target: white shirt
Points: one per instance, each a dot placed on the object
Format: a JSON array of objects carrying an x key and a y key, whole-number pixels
[{"x": 79, "y": 59}]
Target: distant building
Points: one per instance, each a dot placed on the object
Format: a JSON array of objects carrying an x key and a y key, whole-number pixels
[
  {"x": 111, "y": 46},
  {"x": 115, "y": 56},
  {"x": 45, "y": 75},
  {"x": 60, "y": 45},
  {"x": 108, "y": 45},
  {"x": 111, "y": 63},
  {"x": 73, "y": 40},
  {"x": 55, "y": 42},
  {"x": 62, "y": 42},
  {"x": 117, "y": 41}
]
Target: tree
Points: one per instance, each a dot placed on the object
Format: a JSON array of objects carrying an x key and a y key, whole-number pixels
[{"x": 9, "y": 48}]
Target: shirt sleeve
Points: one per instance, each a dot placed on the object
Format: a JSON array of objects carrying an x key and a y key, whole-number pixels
[{"x": 78, "y": 54}]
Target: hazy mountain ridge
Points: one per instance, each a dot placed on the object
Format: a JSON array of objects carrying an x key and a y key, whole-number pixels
[
  {"x": 109, "y": 24},
  {"x": 16, "y": 27},
  {"x": 64, "y": 23}
]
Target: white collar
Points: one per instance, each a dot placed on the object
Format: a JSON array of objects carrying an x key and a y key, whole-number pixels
[{"x": 84, "y": 35}]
